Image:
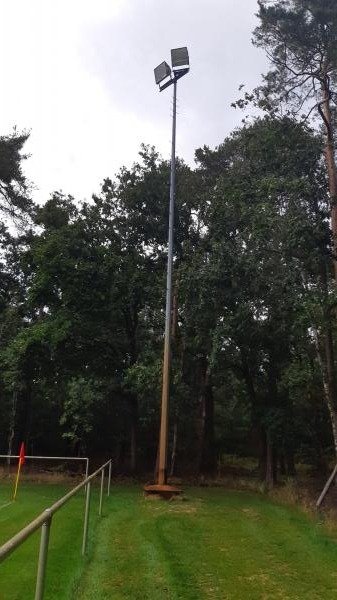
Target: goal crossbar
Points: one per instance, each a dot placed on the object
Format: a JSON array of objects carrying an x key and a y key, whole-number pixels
[{"x": 70, "y": 458}]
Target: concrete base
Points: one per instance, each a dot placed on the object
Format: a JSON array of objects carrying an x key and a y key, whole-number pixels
[{"x": 162, "y": 491}]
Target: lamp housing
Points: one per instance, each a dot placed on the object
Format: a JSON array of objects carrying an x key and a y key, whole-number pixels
[
  {"x": 162, "y": 72},
  {"x": 180, "y": 58}
]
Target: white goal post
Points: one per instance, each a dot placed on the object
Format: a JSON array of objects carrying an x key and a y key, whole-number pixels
[{"x": 84, "y": 459}]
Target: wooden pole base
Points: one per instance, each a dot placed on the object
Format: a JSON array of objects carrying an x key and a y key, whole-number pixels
[{"x": 162, "y": 491}]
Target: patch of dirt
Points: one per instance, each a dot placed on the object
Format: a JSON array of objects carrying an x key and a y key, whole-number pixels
[
  {"x": 250, "y": 512},
  {"x": 184, "y": 510}
]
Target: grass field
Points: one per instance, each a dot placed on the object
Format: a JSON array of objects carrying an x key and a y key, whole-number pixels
[
  {"x": 215, "y": 544},
  {"x": 65, "y": 564}
]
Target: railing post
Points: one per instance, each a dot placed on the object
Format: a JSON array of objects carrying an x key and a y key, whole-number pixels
[
  {"x": 86, "y": 473},
  {"x": 109, "y": 478},
  {"x": 86, "y": 519},
  {"x": 101, "y": 495},
  {"x": 41, "y": 569}
]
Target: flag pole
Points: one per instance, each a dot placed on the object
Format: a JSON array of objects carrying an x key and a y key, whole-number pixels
[
  {"x": 21, "y": 462},
  {"x": 17, "y": 480}
]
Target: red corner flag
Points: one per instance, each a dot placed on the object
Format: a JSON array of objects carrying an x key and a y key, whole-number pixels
[
  {"x": 22, "y": 454},
  {"x": 21, "y": 462}
]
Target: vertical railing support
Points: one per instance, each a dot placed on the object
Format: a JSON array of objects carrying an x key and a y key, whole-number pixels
[
  {"x": 41, "y": 570},
  {"x": 86, "y": 519},
  {"x": 101, "y": 494},
  {"x": 86, "y": 473},
  {"x": 109, "y": 478}
]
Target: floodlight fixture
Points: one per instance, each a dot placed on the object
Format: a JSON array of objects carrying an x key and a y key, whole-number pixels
[
  {"x": 179, "y": 58},
  {"x": 180, "y": 66},
  {"x": 162, "y": 72}
]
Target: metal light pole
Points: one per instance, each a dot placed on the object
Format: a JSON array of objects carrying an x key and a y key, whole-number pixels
[
  {"x": 163, "y": 73},
  {"x": 162, "y": 470}
]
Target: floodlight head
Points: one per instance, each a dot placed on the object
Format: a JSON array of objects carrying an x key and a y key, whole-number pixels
[
  {"x": 161, "y": 72},
  {"x": 179, "y": 58}
]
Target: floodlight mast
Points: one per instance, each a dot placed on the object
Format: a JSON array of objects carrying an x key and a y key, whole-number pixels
[{"x": 180, "y": 66}]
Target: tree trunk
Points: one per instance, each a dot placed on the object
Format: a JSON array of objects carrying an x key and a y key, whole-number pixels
[
  {"x": 320, "y": 459},
  {"x": 326, "y": 360},
  {"x": 290, "y": 460},
  {"x": 270, "y": 466},
  {"x": 261, "y": 451},
  {"x": 12, "y": 426},
  {"x": 208, "y": 456},
  {"x": 205, "y": 424},
  {"x": 288, "y": 435},
  {"x": 25, "y": 415},
  {"x": 131, "y": 327},
  {"x": 325, "y": 355},
  {"x": 282, "y": 462},
  {"x": 329, "y": 153},
  {"x": 133, "y": 403},
  {"x": 258, "y": 431}
]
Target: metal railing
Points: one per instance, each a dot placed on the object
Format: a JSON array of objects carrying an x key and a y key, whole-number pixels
[{"x": 44, "y": 521}]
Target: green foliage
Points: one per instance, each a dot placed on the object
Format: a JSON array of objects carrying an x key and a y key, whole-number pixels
[
  {"x": 83, "y": 301},
  {"x": 300, "y": 38},
  {"x": 83, "y": 396},
  {"x": 14, "y": 188}
]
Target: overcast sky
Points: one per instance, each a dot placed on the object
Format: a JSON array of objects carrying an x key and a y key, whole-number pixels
[{"x": 79, "y": 75}]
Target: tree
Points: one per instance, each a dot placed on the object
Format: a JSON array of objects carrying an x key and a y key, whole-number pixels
[
  {"x": 267, "y": 238},
  {"x": 82, "y": 309},
  {"x": 15, "y": 208},
  {"x": 15, "y": 202},
  {"x": 300, "y": 39},
  {"x": 134, "y": 211},
  {"x": 12, "y": 297}
]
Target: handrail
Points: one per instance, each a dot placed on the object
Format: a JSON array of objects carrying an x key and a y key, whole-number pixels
[
  {"x": 44, "y": 520},
  {"x": 7, "y": 548}
]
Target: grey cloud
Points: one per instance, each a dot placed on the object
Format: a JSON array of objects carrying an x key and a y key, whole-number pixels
[{"x": 123, "y": 52}]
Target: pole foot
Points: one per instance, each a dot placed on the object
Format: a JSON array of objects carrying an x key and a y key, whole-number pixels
[{"x": 162, "y": 491}]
